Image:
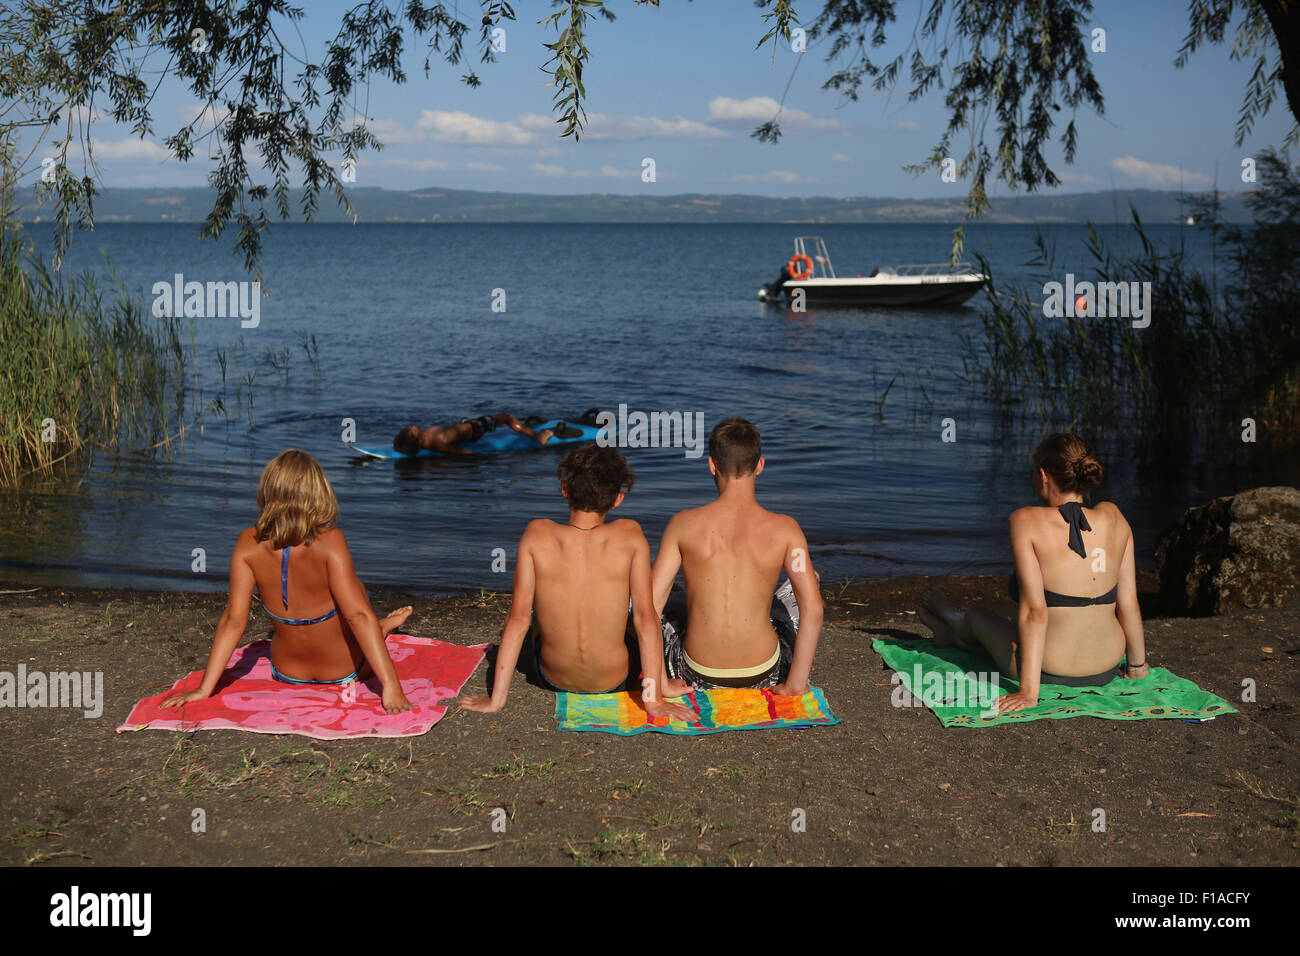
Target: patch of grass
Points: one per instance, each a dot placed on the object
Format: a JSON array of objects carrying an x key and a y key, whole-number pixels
[
  {"x": 718, "y": 827},
  {"x": 131, "y": 827},
  {"x": 466, "y": 799},
  {"x": 41, "y": 856},
  {"x": 349, "y": 783},
  {"x": 1291, "y": 818},
  {"x": 1063, "y": 829},
  {"x": 618, "y": 846},
  {"x": 25, "y": 835},
  {"x": 661, "y": 819},
  {"x": 631, "y": 788},
  {"x": 519, "y": 768},
  {"x": 357, "y": 838},
  {"x": 1257, "y": 788},
  {"x": 27, "y": 832},
  {"x": 359, "y": 783}
]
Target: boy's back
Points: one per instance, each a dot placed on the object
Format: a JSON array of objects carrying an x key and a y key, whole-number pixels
[
  {"x": 732, "y": 552},
  {"x": 732, "y": 557},
  {"x": 578, "y": 578},
  {"x": 581, "y": 598}
]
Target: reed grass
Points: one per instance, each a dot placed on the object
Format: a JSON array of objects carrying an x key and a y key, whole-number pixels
[
  {"x": 82, "y": 365},
  {"x": 1220, "y": 348}
]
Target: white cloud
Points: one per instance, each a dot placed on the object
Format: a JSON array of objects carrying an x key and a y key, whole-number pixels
[
  {"x": 391, "y": 131},
  {"x": 456, "y": 127},
  {"x": 551, "y": 170},
  {"x": 466, "y": 129},
  {"x": 1158, "y": 174},
  {"x": 82, "y": 115},
  {"x": 905, "y": 126},
  {"x": 756, "y": 108},
  {"x": 760, "y": 109},
  {"x": 613, "y": 172},
  {"x": 485, "y": 167},
  {"x": 600, "y": 126},
  {"x": 840, "y": 158},
  {"x": 130, "y": 150}
]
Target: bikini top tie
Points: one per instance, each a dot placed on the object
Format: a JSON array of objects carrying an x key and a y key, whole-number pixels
[{"x": 1072, "y": 512}]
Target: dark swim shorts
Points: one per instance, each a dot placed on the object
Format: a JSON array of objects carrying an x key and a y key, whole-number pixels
[{"x": 484, "y": 423}]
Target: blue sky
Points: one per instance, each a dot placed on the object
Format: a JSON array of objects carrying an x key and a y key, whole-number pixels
[{"x": 684, "y": 85}]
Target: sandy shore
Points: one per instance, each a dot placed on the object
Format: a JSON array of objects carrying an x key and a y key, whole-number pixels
[{"x": 886, "y": 786}]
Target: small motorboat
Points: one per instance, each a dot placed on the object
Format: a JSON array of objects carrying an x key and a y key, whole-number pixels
[{"x": 810, "y": 270}]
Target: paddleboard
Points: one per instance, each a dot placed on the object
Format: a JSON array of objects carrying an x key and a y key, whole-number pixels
[{"x": 503, "y": 439}]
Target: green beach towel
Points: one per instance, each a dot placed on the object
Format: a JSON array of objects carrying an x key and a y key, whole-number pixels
[{"x": 960, "y": 688}]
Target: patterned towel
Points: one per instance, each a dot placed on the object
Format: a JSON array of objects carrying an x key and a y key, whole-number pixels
[
  {"x": 719, "y": 710},
  {"x": 248, "y": 699},
  {"x": 952, "y": 683}
]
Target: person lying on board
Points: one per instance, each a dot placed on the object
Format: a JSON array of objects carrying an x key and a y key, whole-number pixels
[
  {"x": 579, "y": 577},
  {"x": 1075, "y": 636},
  {"x": 325, "y": 631},
  {"x": 447, "y": 439},
  {"x": 732, "y": 552}
]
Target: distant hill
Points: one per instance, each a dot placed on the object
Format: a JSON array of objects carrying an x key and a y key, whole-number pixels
[{"x": 459, "y": 205}]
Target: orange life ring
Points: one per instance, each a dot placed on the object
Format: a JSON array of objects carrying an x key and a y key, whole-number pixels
[{"x": 807, "y": 273}]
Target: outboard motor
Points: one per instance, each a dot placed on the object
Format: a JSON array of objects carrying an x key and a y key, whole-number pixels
[{"x": 774, "y": 288}]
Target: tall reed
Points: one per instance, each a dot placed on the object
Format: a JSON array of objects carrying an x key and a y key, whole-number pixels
[
  {"x": 1219, "y": 349},
  {"x": 77, "y": 367}
]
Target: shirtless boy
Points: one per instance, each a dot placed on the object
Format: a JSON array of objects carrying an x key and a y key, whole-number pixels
[
  {"x": 579, "y": 576},
  {"x": 732, "y": 552},
  {"x": 447, "y": 439}
]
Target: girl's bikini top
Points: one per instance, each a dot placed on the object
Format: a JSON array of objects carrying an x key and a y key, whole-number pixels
[
  {"x": 284, "y": 599},
  {"x": 1072, "y": 512}
]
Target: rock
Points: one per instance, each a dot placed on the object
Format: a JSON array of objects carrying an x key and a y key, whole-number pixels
[{"x": 1242, "y": 551}]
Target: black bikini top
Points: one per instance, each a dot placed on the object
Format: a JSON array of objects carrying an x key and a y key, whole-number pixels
[{"x": 1072, "y": 512}]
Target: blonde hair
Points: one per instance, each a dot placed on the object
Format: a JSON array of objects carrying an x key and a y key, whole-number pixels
[{"x": 294, "y": 499}]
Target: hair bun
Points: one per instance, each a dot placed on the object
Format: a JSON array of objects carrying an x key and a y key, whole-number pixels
[{"x": 1087, "y": 471}]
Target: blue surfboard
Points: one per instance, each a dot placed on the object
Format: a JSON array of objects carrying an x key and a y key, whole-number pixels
[{"x": 503, "y": 439}]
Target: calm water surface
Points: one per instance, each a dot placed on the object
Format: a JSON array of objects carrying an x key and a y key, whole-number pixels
[{"x": 659, "y": 317}]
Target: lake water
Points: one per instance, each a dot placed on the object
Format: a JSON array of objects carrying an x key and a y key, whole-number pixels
[{"x": 657, "y": 317}]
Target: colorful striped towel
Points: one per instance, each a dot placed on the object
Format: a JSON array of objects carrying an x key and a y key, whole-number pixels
[
  {"x": 247, "y": 698},
  {"x": 959, "y": 688},
  {"x": 719, "y": 710}
]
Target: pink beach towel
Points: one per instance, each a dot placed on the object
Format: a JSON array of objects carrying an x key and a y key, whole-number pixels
[{"x": 247, "y": 698}]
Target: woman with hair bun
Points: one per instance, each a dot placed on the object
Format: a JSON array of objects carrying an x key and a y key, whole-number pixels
[{"x": 1076, "y": 631}]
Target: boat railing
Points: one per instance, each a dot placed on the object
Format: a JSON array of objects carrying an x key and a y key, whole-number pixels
[{"x": 814, "y": 247}]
